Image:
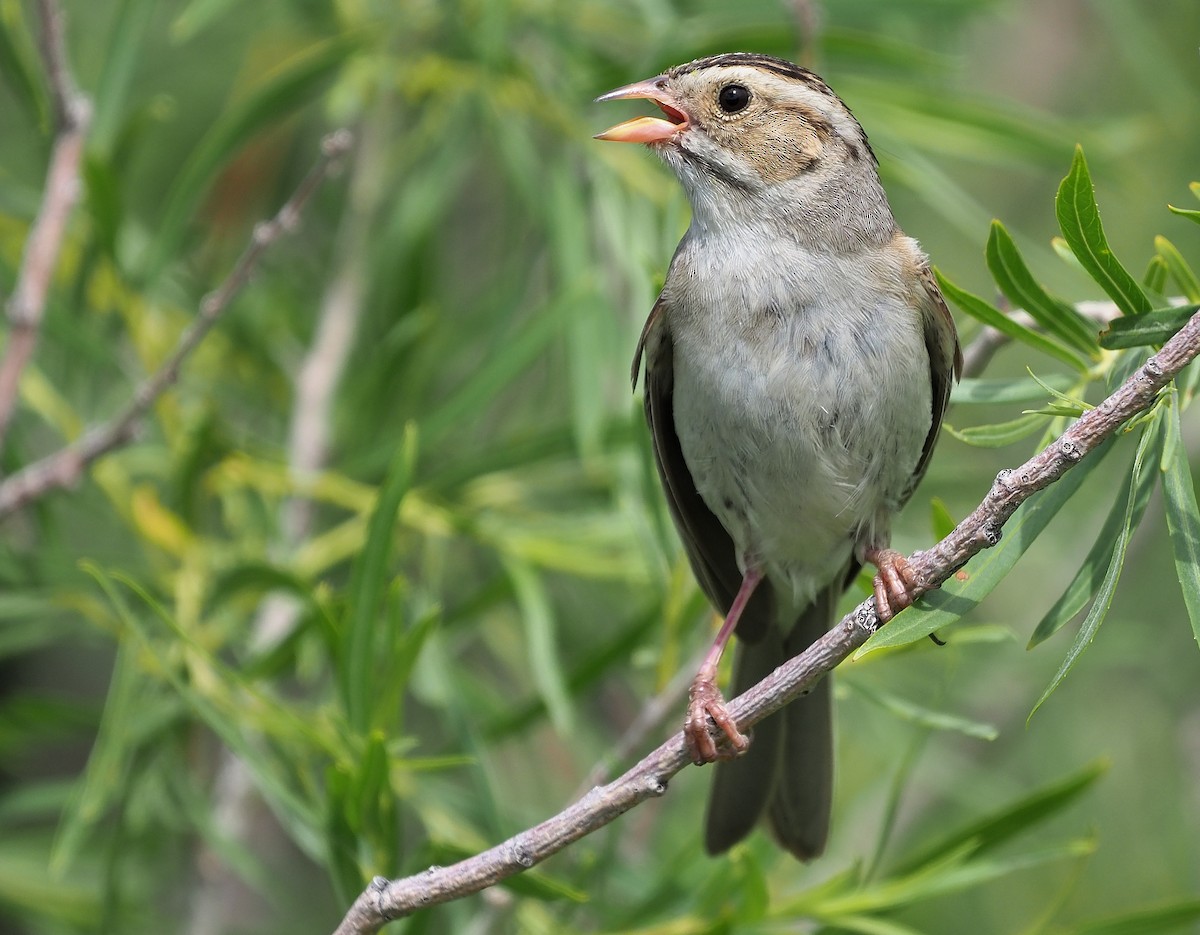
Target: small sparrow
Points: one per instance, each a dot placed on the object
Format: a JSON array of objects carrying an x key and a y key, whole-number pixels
[{"x": 798, "y": 363}]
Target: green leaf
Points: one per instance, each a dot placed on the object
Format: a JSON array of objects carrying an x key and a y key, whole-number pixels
[
  {"x": 963, "y": 592},
  {"x": 1183, "y": 519},
  {"x": 1151, "y": 438},
  {"x": 1172, "y": 917},
  {"x": 368, "y": 582},
  {"x": 19, "y": 65},
  {"x": 941, "y": 521},
  {"x": 1079, "y": 220},
  {"x": 1090, "y": 575},
  {"x": 958, "y": 872},
  {"x": 999, "y": 434},
  {"x": 987, "y": 313},
  {"x": 982, "y": 392},
  {"x": 123, "y": 46},
  {"x": 288, "y": 89},
  {"x": 1149, "y": 329},
  {"x": 1155, "y": 277},
  {"x": 341, "y": 843},
  {"x": 1017, "y": 283},
  {"x": 1190, "y": 213},
  {"x": 196, "y": 16},
  {"x": 537, "y": 616},
  {"x": 1003, "y": 825},
  {"x": 1178, "y": 268},
  {"x": 914, "y": 713}
]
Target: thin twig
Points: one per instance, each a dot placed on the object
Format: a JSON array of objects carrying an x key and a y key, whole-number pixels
[
  {"x": 66, "y": 466},
  {"x": 385, "y": 900},
  {"x": 27, "y": 304}
]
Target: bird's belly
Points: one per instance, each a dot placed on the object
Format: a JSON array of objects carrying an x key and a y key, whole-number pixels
[{"x": 804, "y": 442}]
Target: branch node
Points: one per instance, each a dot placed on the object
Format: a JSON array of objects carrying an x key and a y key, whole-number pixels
[
  {"x": 990, "y": 533},
  {"x": 656, "y": 786},
  {"x": 1003, "y": 485},
  {"x": 521, "y": 854},
  {"x": 1152, "y": 368},
  {"x": 1070, "y": 450},
  {"x": 865, "y": 618},
  {"x": 337, "y": 143}
]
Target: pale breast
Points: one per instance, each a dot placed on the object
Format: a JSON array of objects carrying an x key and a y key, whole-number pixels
[{"x": 802, "y": 401}]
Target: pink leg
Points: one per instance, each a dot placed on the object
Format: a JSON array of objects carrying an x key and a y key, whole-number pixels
[
  {"x": 704, "y": 698},
  {"x": 893, "y": 585}
]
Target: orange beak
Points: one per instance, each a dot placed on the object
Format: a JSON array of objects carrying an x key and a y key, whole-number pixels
[{"x": 645, "y": 129}]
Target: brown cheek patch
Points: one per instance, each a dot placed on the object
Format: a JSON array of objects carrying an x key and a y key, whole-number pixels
[{"x": 788, "y": 142}]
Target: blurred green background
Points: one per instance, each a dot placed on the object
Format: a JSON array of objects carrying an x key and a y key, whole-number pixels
[{"x": 452, "y": 325}]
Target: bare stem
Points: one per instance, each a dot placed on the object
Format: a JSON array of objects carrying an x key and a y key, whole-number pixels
[
  {"x": 66, "y": 466},
  {"x": 27, "y": 304},
  {"x": 385, "y": 900}
]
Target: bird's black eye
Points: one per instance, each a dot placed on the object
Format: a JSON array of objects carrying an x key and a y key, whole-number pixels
[{"x": 733, "y": 97}]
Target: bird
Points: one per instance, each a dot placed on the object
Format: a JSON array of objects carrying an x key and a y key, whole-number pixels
[{"x": 797, "y": 365}]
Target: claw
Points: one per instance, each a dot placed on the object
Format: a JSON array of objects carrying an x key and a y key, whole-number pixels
[
  {"x": 705, "y": 701},
  {"x": 895, "y": 583}
]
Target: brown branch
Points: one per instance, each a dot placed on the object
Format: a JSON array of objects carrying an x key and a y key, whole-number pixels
[
  {"x": 65, "y": 467},
  {"x": 385, "y": 900},
  {"x": 27, "y": 304}
]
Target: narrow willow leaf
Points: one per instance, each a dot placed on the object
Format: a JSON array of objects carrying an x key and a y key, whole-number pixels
[
  {"x": 537, "y": 616},
  {"x": 976, "y": 392},
  {"x": 1173, "y": 917},
  {"x": 941, "y": 522},
  {"x": 1179, "y": 268},
  {"x": 1063, "y": 249},
  {"x": 368, "y": 583},
  {"x": 1190, "y": 213},
  {"x": 1091, "y": 573},
  {"x": 1017, "y": 283},
  {"x": 19, "y": 65},
  {"x": 1155, "y": 277},
  {"x": 914, "y": 713},
  {"x": 1183, "y": 520},
  {"x": 987, "y": 313},
  {"x": 960, "y": 872},
  {"x": 124, "y": 45},
  {"x": 963, "y": 592},
  {"x": 1079, "y": 220},
  {"x": 1057, "y": 409},
  {"x": 1013, "y": 819},
  {"x": 1073, "y": 401},
  {"x": 1148, "y": 330},
  {"x": 1148, "y": 445},
  {"x": 113, "y": 749},
  {"x": 999, "y": 434},
  {"x": 196, "y": 16}
]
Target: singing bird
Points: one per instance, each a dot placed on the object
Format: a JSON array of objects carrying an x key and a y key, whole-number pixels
[{"x": 797, "y": 366}]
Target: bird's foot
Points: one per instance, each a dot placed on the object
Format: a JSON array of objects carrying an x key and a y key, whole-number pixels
[
  {"x": 705, "y": 701},
  {"x": 895, "y": 583}
]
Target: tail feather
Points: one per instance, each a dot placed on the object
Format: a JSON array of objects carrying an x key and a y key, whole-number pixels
[{"x": 788, "y": 770}]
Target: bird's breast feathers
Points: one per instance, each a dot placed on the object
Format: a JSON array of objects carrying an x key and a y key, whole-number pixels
[{"x": 787, "y": 376}]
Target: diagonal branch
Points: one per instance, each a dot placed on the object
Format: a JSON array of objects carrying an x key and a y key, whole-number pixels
[
  {"x": 27, "y": 304},
  {"x": 66, "y": 466},
  {"x": 385, "y": 900}
]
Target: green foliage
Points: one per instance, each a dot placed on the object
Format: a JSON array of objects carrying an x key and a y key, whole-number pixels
[{"x": 235, "y": 675}]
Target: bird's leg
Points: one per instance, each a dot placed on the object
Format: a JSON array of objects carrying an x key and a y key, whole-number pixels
[
  {"x": 704, "y": 698},
  {"x": 894, "y": 584}
]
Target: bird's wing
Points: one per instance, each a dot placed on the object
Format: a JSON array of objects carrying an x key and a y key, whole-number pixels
[
  {"x": 710, "y": 549},
  {"x": 945, "y": 360}
]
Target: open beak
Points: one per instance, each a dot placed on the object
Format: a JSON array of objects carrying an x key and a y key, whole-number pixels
[{"x": 645, "y": 129}]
